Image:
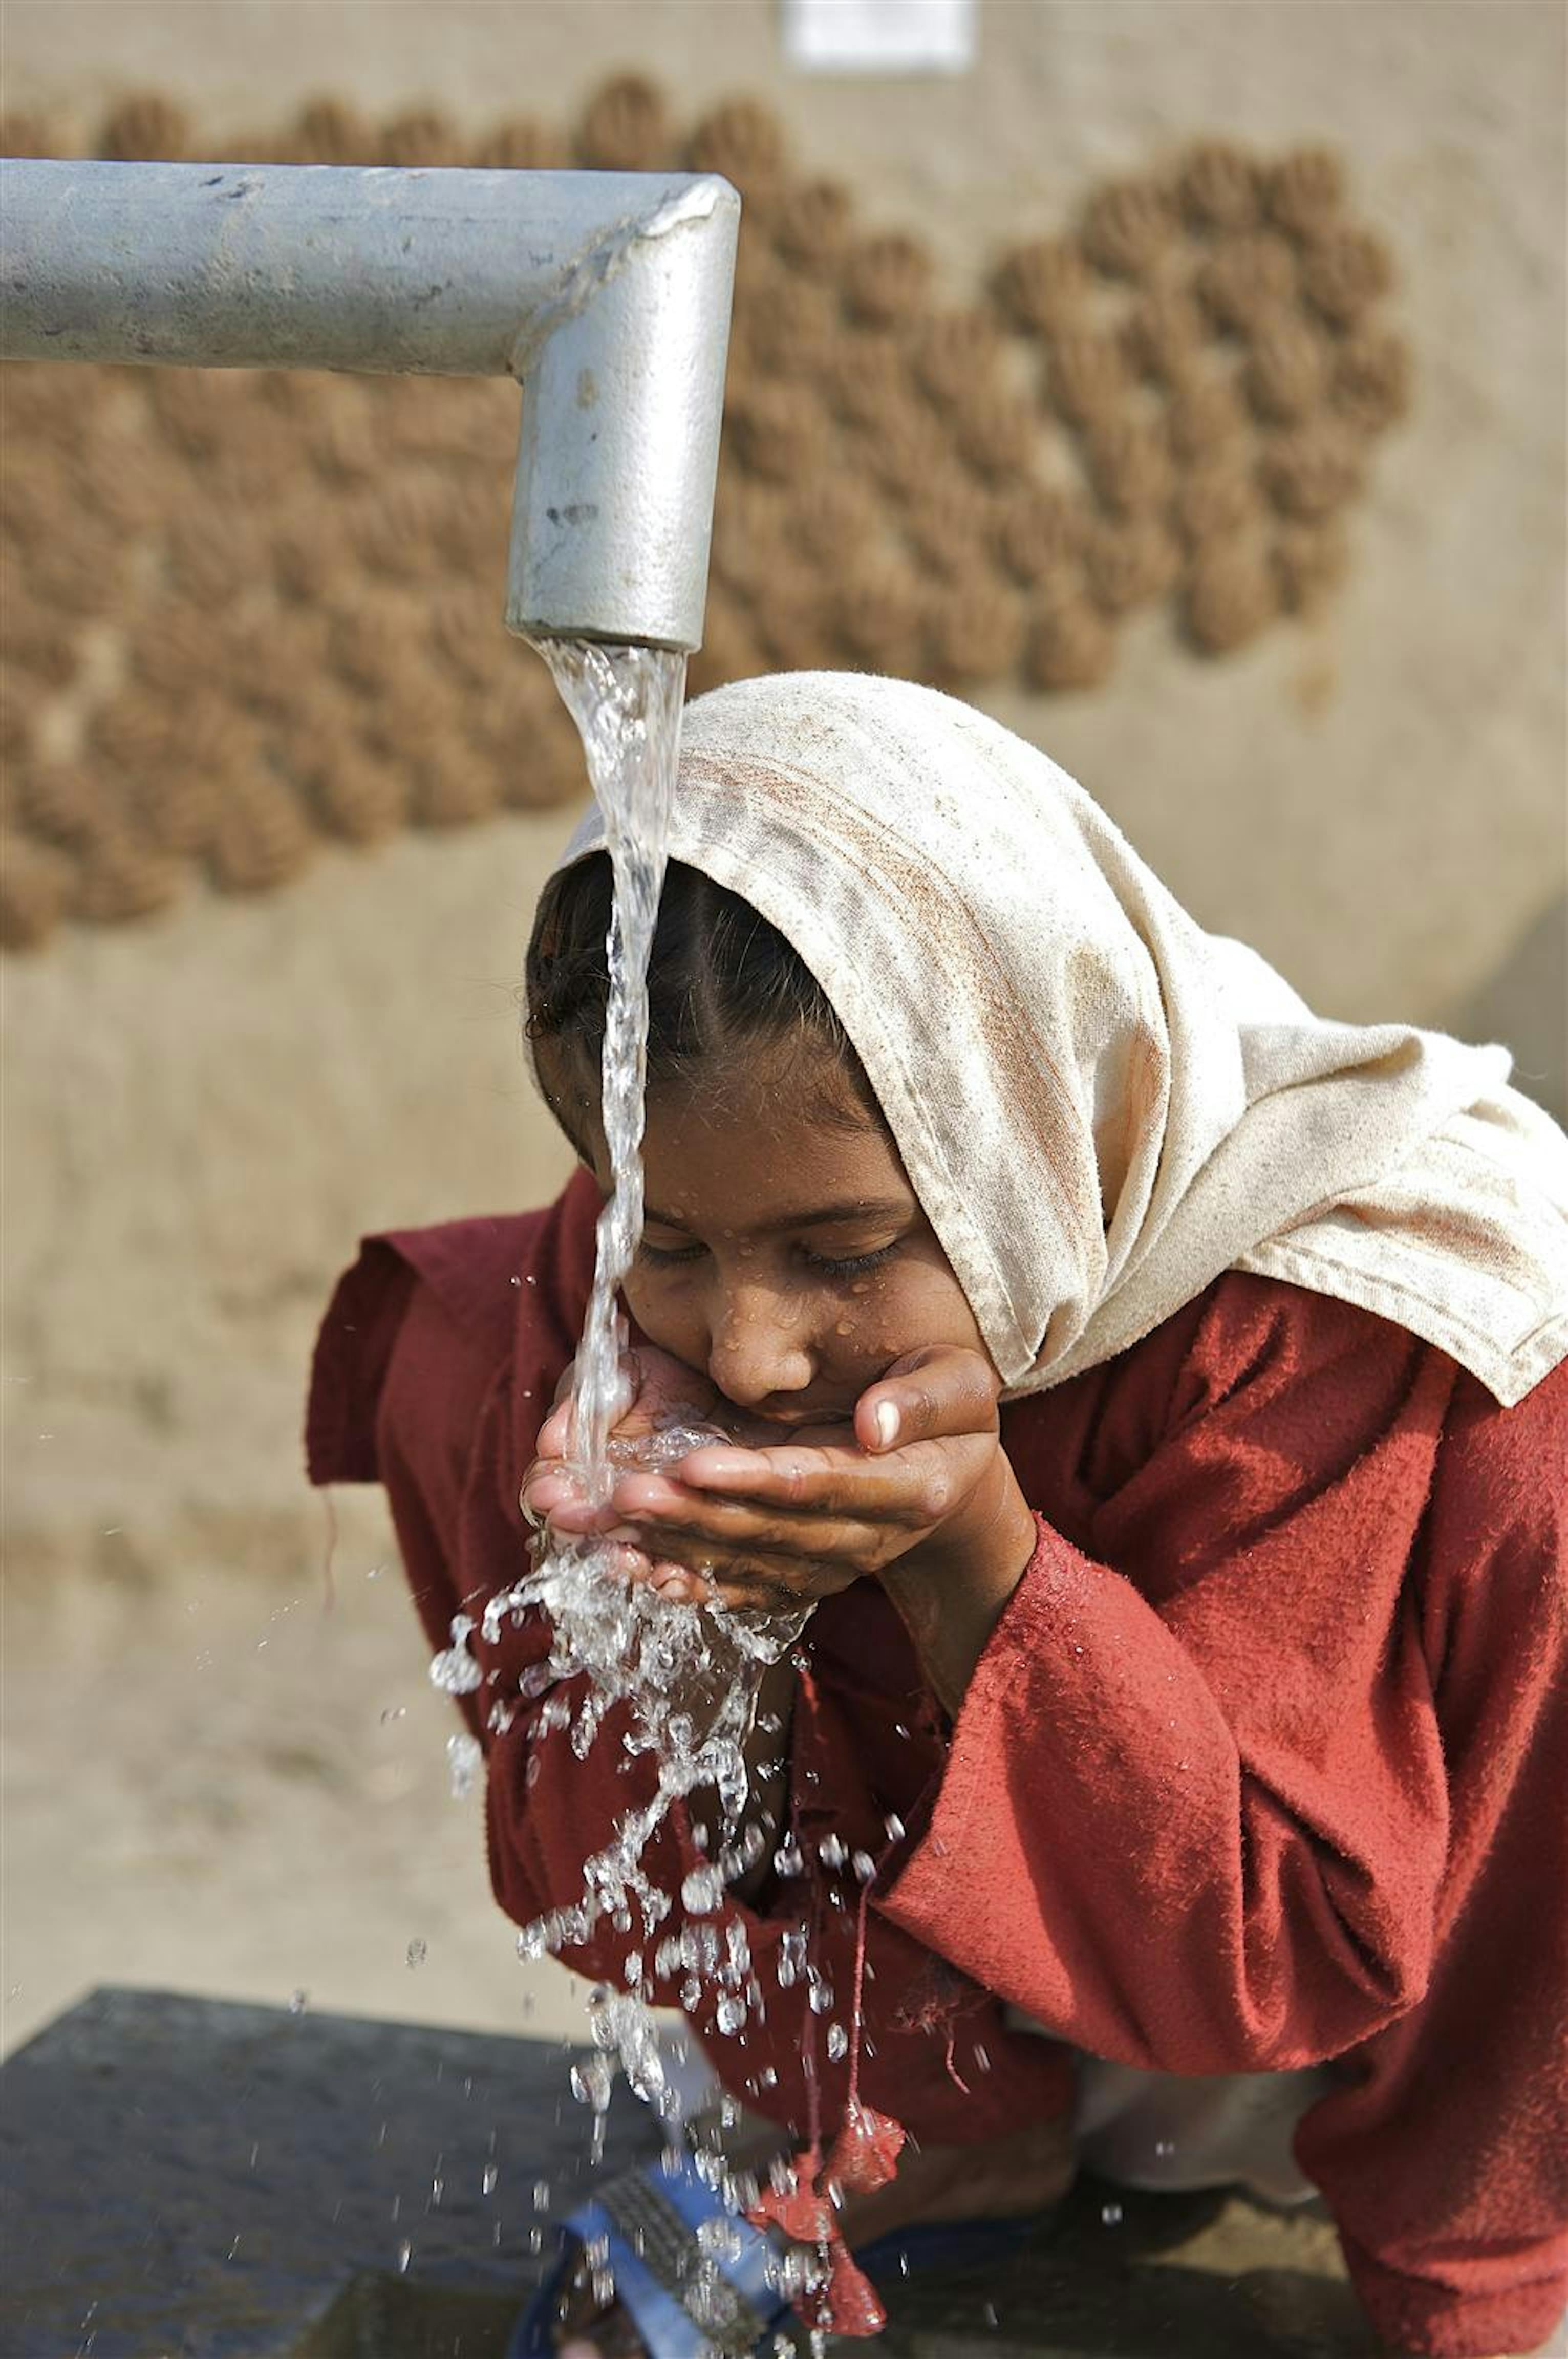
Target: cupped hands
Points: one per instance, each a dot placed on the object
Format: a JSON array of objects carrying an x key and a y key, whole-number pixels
[{"x": 773, "y": 1519}]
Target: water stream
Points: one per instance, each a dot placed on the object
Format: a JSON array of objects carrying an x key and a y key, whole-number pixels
[
  {"x": 627, "y": 703},
  {"x": 689, "y": 1676}
]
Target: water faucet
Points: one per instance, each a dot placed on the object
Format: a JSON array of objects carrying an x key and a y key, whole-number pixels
[{"x": 605, "y": 294}]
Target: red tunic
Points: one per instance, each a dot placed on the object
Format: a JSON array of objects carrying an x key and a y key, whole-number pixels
[{"x": 1265, "y": 1764}]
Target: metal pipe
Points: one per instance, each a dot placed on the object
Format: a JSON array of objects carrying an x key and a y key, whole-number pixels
[{"x": 605, "y": 294}]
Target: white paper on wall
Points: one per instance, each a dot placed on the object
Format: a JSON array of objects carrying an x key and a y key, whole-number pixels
[{"x": 879, "y": 36}]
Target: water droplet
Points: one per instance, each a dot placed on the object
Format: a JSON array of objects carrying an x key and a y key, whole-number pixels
[
  {"x": 405, "y": 2254},
  {"x": 418, "y": 1951},
  {"x": 455, "y": 1669},
  {"x": 463, "y": 1759},
  {"x": 838, "y": 2042},
  {"x": 1164, "y": 2146},
  {"x": 720, "y": 2238},
  {"x": 541, "y": 2195},
  {"x": 1111, "y": 2214},
  {"x": 299, "y": 2001},
  {"x": 592, "y": 2081},
  {"x": 487, "y": 2184},
  {"x": 702, "y": 1890},
  {"x": 393, "y": 1711}
]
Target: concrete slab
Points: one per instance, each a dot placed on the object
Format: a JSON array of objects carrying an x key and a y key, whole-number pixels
[{"x": 189, "y": 2176}]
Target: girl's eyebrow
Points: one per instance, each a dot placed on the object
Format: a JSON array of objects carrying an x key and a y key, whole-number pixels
[{"x": 821, "y": 1216}]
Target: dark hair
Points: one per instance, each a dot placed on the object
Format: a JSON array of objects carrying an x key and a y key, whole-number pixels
[{"x": 718, "y": 976}]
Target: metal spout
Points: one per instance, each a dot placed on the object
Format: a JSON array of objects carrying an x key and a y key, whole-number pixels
[{"x": 605, "y": 294}]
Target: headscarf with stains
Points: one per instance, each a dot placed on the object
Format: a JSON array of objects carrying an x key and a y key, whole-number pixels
[{"x": 1100, "y": 1106}]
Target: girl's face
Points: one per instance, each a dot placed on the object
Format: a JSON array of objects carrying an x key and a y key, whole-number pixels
[{"x": 784, "y": 1252}]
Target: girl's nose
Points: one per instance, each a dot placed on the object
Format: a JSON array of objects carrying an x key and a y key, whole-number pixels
[{"x": 757, "y": 1348}]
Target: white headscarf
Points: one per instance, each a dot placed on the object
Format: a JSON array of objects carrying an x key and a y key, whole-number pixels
[{"x": 1099, "y": 1105}]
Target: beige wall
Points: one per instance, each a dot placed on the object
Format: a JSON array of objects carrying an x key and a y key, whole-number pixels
[{"x": 201, "y": 1114}]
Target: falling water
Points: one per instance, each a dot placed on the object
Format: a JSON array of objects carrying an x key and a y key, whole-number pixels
[
  {"x": 688, "y": 1675},
  {"x": 627, "y": 703}
]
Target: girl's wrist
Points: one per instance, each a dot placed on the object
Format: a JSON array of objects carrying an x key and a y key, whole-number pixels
[{"x": 952, "y": 1590}]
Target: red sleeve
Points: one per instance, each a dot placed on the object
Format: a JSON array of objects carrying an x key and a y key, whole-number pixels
[
  {"x": 1444, "y": 2153},
  {"x": 500, "y": 1297},
  {"x": 1194, "y": 1816},
  {"x": 1264, "y": 1766}
]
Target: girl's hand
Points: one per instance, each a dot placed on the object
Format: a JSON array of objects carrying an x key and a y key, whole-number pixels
[
  {"x": 664, "y": 1394},
  {"x": 917, "y": 1489}
]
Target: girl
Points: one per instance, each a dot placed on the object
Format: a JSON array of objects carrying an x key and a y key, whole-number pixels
[{"x": 1156, "y": 1396}]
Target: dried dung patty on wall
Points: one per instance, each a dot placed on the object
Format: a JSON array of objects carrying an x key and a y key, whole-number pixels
[{"x": 244, "y": 612}]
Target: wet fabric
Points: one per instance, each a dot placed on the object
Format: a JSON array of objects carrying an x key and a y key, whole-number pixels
[
  {"x": 1101, "y": 1106},
  {"x": 1262, "y": 1769}
]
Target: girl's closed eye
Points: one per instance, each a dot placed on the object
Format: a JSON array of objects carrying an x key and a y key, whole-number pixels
[
  {"x": 819, "y": 1265},
  {"x": 848, "y": 1265},
  {"x": 667, "y": 1256}
]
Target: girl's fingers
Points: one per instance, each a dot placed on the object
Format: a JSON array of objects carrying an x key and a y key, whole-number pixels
[
  {"x": 550, "y": 1491},
  {"x": 555, "y": 1434},
  {"x": 912, "y": 1488},
  {"x": 741, "y": 1586},
  {"x": 680, "y": 1584},
  {"x": 705, "y": 1580},
  {"x": 579, "y": 1518},
  {"x": 704, "y": 1541},
  {"x": 930, "y": 1395},
  {"x": 798, "y": 1508},
  {"x": 674, "y": 1583}
]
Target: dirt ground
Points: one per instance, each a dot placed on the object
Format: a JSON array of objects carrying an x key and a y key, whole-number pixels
[{"x": 242, "y": 1788}]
